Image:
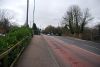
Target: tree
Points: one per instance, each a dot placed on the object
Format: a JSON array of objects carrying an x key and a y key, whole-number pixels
[
  {"x": 49, "y": 30},
  {"x": 5, "y": 24},
  {"x": 98, "y": 28},
  {"x": 76, "y": 19},
  {"x": 86, "y": 17},
  {"x": 73, "y": 18},
  {"x": 4, "y": 13},
  {"x": 35, "y": 29},
  {"x": 53, "y": 30},
  {"x": 4, "y": 20}
]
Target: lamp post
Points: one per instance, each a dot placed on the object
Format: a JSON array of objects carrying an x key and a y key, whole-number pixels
[
  {"x": 33, "y": 15},
  {"x": 26, "y": 24},
  {"x": 34, "y": 11}
]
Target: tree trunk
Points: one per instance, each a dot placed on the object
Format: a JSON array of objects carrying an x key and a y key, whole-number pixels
[{"x": 80, "y": 35}]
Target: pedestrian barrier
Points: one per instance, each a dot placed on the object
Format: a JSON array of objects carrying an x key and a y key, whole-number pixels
[{"x": 10, "y": 57}]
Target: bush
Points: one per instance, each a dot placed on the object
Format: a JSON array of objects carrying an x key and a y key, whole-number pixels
[{"x": 15, "y": 35}]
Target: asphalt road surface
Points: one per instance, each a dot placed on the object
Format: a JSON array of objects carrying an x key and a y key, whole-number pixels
[
  {"x": 55, "y": 51},
  {"x": 87, "y": 45}
]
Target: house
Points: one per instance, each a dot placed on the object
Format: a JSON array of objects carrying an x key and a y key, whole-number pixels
[{"x": 2, "y": 30}]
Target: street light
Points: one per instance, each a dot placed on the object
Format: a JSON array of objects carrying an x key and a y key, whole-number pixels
[
  {"x": 33, "y": 15},
  {"x": 26, "y": 24},
  {"x": 33, "y": 11}
]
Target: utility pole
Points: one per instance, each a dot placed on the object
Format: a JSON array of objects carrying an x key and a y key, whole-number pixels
[
  {"x": 33, "y": 15},
  {"x": 26, "y": 24},
  {"x": 34, "y": 11}
]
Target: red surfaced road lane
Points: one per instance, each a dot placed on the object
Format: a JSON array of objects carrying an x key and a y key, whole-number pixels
[{"x": 69, "y": 55}]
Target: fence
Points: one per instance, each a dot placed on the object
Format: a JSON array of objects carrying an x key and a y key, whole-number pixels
[{"x": 9, "y": 57}]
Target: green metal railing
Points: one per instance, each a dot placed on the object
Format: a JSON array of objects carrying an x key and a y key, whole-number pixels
[{"x": 9, "y": 57}]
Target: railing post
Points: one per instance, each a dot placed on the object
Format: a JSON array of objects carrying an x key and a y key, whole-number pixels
[
  {"x": 5, "y": 61},
  {"x": 4, "y": 57}
]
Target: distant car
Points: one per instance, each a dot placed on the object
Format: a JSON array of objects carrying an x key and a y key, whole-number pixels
[
  {"x": 97, "y": 37},
  {"x": 48, "y": 34},
  {"x": 2, "y": 34}
]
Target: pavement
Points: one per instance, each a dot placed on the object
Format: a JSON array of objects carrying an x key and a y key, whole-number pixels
[
  {"x": 37, "y": 54},
  {"x": 55, "y": 51}
]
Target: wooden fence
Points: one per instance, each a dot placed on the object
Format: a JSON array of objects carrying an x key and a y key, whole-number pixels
[{"x": 9, "y": 57}]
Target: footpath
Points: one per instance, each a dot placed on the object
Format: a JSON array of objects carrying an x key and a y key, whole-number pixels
[{"x": 37, "y": 54}]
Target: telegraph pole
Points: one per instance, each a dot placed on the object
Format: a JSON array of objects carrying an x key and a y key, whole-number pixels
[
  {"x": 34, "y": 11},
  {"x": 26, "y": 24},
  {"x": 33, "y": 15}
]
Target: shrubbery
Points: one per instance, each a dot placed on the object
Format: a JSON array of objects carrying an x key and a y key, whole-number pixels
[{"x": 16, "y": 34}]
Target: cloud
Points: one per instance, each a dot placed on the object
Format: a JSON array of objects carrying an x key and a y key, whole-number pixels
[{"x": 49, "y": 12}]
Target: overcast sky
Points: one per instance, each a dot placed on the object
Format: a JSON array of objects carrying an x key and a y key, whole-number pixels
[{"x": 49, "y": 12}]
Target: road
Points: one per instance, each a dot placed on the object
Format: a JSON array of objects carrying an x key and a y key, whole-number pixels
[
  {"x": 88, "y": 45},
  {"x": 57, "y": 51}
]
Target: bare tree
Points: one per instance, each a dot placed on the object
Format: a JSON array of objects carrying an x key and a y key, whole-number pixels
[
  {"x": 76, "y": 19},
  {"x": 4, "y": 13},
  {"x": 69, "y": 20},
  {"x": 86, "y": 18},
  {"x": 98, "y": 28},
  {"x": 73, "y": 18},
  {"x": 4, "y": 20}
]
